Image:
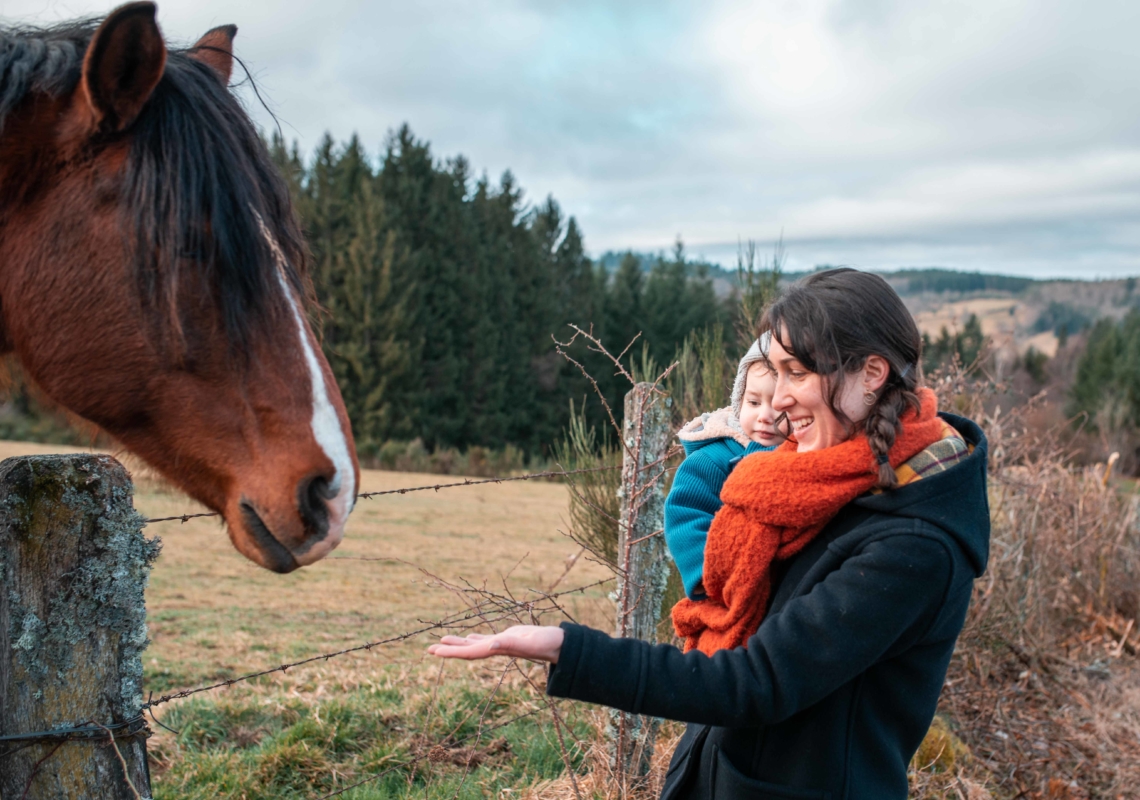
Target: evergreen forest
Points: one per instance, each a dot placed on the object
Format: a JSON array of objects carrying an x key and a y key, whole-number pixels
[
  {"x": 441, "y": 296},
  {"x": 1106, "y": 390},
  {"x": 442, "y": 293}
]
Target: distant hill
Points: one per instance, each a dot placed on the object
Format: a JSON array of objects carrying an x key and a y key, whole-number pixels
[
  {"x": 909, "y": 280},
  {"x": 940, "y": 281},
  {"x": 1016, "y": 313}
]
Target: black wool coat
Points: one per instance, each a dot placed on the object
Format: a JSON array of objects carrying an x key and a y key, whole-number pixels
[{"x": 831, "y": 697}]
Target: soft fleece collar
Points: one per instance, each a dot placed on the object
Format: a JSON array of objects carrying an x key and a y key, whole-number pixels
[{"x": 719, "y": 424}]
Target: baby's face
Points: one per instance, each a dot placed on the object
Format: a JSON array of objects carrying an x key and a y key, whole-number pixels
[{"x": 757, "y": 417}]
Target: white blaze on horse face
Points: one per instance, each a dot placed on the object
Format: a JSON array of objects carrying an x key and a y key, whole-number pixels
[
  {"x": 326, "y": 425},
  {"x": 330, "y": 436}
]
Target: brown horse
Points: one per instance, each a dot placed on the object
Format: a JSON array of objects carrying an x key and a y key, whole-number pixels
[{"x": 152, "y": 276}]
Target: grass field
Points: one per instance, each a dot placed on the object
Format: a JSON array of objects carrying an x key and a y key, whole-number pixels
[
  {"x": 1037, "y": 705},
  {"x": 214, "y": 615}
]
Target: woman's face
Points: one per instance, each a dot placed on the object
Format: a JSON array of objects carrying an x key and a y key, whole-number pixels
[{"x": 802, "y": 396}]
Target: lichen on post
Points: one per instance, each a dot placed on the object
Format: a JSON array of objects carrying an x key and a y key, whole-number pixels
[
  {"x": 642, "y": 558},
  {"x": 74, "y": 566}
]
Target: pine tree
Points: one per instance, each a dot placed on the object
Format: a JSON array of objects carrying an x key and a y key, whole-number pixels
[
  {"x": 439, "y": 295},
  {"x": 1107, "y": 385},
  {"x": 665, "y": 307},
  {"x": 966, "y": 344},
  {"x": 368, "y": 342},
  {"x": 575, "y": 286},
  {"x": 425, "y": 205},
  {"x": 623, "y": 312}
]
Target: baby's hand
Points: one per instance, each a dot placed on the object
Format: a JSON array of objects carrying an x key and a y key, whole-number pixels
[{"x": 532, "y": 642}]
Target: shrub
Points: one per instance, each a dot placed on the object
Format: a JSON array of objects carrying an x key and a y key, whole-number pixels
[
  {"x": 1062, "y": 316},
  {"x": 1051, "y": 617},
  {"x": 1034, "y": 363},
  {"x": 477, "y": 462}
]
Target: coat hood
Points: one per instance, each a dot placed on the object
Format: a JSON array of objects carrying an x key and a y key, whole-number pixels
[
  {"x": 712, "y": 426},
  {"x": 955, "y": 500},
  {"x": 757, "y": 352}
]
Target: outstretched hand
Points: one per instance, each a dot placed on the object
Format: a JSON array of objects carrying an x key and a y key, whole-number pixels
[{"x": 532, "y": 642}]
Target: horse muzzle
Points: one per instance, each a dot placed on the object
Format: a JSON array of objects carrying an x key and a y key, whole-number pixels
[{"x": 303, "y": 535}]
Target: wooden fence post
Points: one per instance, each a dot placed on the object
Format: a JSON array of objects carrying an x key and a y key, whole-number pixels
[
  {"x": 642, "y": 559},
  {"x": 73, "y": 566}
]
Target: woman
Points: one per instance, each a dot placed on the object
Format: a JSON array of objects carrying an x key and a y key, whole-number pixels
[{"x": 839, "y": 572}]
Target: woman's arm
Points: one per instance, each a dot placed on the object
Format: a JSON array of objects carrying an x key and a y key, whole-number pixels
[{"x": 882, "y": 599}]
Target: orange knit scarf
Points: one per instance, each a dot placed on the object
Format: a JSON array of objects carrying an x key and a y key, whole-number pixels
[{"x": 774, "y": 505}]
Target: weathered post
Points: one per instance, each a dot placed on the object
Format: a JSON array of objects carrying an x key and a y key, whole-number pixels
[
  {"x": 642, "y": 559},
  {"x": 73, "y": 566}
]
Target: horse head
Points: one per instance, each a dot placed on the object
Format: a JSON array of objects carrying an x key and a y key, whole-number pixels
[{"x": 153, "y": 276}]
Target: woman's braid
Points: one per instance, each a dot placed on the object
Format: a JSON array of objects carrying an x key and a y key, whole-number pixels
[{"x": 883, "y": 422}]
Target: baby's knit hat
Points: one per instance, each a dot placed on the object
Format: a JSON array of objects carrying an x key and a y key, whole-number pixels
[{"x": 757, "y": 352}]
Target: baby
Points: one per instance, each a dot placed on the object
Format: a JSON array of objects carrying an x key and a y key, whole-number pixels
[{"x": 714, "y": 443}]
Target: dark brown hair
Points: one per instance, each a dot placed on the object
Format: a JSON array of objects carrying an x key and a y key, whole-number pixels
[{"x": 831, "y": 322}]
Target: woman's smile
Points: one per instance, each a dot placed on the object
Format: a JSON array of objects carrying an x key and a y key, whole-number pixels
[{"x": 802, "y": 429}]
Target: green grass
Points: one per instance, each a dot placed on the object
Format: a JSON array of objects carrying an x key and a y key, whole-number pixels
[{"x": 279, "y": 744}]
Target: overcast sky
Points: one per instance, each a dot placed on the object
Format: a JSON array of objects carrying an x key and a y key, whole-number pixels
[{"x": 997, "y": 135}]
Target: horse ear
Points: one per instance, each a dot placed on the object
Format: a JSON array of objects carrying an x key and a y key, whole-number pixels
[
  {"x": 216, "y": 50},
  {"x": 123, "y": 64}
]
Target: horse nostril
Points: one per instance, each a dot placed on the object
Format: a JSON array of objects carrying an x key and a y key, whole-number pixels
[{"x": 313, "y": 497}]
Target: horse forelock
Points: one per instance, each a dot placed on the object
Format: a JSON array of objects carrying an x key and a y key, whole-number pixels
[
  {"x": 197, "y": 178},
  {"x": 47, "y": 60}
]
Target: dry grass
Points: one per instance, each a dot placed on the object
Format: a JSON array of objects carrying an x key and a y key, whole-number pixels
[
  {"x": 1043, "y": 685},
  {"x": 1042, "y": 700},
  {"x": 213, "y": 615},
  {"x": 213, "y": 612},
  {"x": 594, "y": 779}
]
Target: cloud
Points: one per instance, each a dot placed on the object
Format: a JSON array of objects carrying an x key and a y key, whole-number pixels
[{"x": 985, "y": 134}]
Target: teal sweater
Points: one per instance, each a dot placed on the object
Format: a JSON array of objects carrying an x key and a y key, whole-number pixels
[{"x": 694, "y": 500}]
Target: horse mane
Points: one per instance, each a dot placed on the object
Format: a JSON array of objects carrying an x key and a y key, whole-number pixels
[{"x": 197, "y": 178}]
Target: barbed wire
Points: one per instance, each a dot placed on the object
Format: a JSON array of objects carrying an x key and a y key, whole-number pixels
[
  {"x": 485, "y": 607},
  {"x": 477, "y": 613},
  {"x": 85, "y": 732},
  {"x": 78, "y": 732},
  {"x": 554, "y": 473},
  {"x": 468, "y": 482},
  {"x": 181, "y": 517},
  {"x": 97, "y": 731}
]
